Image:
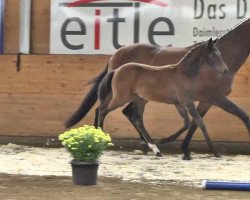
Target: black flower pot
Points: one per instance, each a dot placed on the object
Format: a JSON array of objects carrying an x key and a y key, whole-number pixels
[{"x": 84, "y": 173}]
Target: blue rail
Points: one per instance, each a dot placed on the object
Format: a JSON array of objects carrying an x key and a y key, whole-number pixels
[{"x": 226, "y": 185}]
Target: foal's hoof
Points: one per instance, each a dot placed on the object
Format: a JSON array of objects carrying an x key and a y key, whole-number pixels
[{"x": 187, "y": 157}]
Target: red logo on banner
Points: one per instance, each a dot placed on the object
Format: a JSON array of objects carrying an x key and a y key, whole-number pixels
[{"x": 155, "y": 2}]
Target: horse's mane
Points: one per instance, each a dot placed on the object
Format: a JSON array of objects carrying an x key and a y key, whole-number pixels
[
  {"x": 192, "y": 50},
  {"x": 233, "y": 28},
  {"x": 194, "y": 45}
]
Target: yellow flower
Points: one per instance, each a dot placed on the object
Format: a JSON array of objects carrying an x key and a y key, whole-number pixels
[{"x": 89, "y": 136}]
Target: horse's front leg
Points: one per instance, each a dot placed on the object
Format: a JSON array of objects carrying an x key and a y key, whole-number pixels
[
  {"x": 202, "y": 108},
  {"x": 228, "y": 106},
  {"x": 198, "y": 120},
  {"x": 184, "y": 114},
  {"x": 134, "y": 112}
]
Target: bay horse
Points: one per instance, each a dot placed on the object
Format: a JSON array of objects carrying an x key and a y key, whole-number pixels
[
  {"x": 234, "y": 47},
  {"x": 172, "y": 84}
]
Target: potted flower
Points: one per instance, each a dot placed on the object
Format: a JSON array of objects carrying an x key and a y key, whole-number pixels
[{"x": 85, "y": 144}]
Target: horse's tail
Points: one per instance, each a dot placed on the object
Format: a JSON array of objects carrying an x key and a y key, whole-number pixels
[
  {"x": 88, "y": 102},
  {"x": 105, "y": 86}
]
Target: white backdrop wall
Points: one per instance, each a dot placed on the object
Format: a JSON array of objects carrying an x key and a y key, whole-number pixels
[{"x": 101, "y": 27}]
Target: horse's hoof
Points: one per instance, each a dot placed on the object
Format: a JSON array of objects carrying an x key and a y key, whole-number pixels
[
  {"x": 217, "y": 155},
  {"x": 161, "y": 141},
  {"x": 158, "y": 154},
  {"x": 165, "y": 140},
  {"x": 187, "y": 157}
]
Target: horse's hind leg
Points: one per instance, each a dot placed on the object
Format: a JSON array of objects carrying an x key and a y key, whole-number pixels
[
  {"x": 184, "y": 114},
  {"x": 198, "y": 120},
  {"x": 96, "y": 117},
  {"x": 202, "y": 108},
  {"x": 134, "y": 112},
  {"x": 232, "y": 108}
]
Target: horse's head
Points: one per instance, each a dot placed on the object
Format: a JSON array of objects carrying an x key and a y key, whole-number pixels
[{"x": 213, "y": 57}]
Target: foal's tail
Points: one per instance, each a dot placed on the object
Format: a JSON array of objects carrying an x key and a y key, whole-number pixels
[
  {"x": 88, "y": 102},
  {"x": 105, "y": 86}
]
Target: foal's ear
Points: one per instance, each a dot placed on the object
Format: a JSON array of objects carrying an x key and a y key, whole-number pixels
[
  {"x": 210, "y": 41},
  {"x": 215, "y": 41}
]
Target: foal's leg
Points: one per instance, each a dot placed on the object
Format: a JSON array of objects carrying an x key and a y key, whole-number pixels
[
  {"x": 198, "y": 120},
  {"x": 223, "y": 103},
  {"x": 232, "y": 108},
  {"x": 108, "y": 105},
  {"x": 184, "y": 114},
  {"x": 102, "y": 112},
  {"x": 134, "y": 113},
  {"x": 202, "y": 108}
]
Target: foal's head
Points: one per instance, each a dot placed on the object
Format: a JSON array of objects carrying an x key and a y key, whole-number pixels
[
  {"x": 206, "y": 53},
  {"x": 213, "y": 57}
]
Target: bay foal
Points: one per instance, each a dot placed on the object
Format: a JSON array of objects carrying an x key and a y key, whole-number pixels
[{"x": 171, "y": 84}]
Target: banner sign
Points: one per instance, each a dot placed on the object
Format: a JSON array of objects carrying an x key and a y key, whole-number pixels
[{"x": 103, "y": 26}]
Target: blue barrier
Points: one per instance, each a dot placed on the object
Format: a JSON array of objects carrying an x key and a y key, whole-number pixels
[{"x": 225, "y": 185}]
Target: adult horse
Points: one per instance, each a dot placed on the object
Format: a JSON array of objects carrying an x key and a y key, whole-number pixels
[
  {"x": 234, "y": 47},
  {"x": 172, "y": 84}
]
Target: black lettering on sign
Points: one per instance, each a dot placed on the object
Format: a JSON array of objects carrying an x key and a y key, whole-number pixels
[
  {"x": 213, "y": 11},
  {"x": 116, "y": 20},
  {"x": 241, "y": 9},
  {"x": 65, "y": 32},
  {"x": 152, "y": 32}
]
